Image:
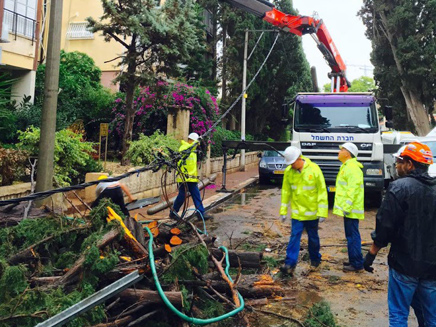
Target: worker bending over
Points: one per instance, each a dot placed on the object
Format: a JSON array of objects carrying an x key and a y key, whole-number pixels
[{"x": 113, "y": 191}]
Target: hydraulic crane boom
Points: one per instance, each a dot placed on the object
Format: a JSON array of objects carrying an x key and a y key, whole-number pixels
[{"x": 301, "y": 25}]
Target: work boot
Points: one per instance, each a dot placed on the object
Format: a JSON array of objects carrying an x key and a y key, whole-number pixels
[
  {"x": 287, "y": 270},
  {"x": 315, "y": 264},
  {"x": 346, "y": 263},
  {"x": 204, "y": 217},
  {"x": 350, "y": 268}
]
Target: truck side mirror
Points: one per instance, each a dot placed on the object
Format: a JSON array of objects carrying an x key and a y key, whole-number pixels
[
  {"x": 389, "y": 124},
  {"x": 387, "y": 112}
]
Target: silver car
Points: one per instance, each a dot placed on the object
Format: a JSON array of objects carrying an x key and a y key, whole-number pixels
[{"x": 271, "y": 166}]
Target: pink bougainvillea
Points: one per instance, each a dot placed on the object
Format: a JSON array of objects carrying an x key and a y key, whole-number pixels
[{"x": 152, "y": 104}]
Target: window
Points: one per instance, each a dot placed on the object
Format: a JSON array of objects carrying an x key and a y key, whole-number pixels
[
  {"x": 79, "y": 31},
  {"x": 20, "y": 17}
]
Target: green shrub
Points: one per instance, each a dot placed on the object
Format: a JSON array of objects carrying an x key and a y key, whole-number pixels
[
  {"x": 12, "y": 165},
  {"x": 71, "y": 155},
  {"x": 141, "y": 151},
  {"x": 221, "y": 135},
  {"x": 320, "y": 315}
]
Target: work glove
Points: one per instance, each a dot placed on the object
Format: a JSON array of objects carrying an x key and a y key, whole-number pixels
[
  {"x": 321, "y": 219},
  {"x": 345, "y": 213},
  {"x": 283, "y": 218},
  {"x": 369, "y": 259}
]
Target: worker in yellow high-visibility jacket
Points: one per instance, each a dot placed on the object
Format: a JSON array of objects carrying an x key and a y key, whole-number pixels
[
  {"x": 349, "y": 203},
  {"x": 188, "y": 179},
  {"x": 305, "y": 190}
]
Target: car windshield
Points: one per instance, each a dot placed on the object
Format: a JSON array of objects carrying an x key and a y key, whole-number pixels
[{"x": 271, "y": 153}]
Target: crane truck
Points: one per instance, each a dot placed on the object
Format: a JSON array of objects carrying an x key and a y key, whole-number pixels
[{"x": 323, "y": 121}]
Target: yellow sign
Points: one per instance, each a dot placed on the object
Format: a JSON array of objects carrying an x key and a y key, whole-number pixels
[{"x": 104, "y": 129}]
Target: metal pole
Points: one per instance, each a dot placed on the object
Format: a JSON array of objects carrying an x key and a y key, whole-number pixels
[
  {"x": 44, "y": 177},
  {"x": 244, "y": 85},
  {"x": 105, "y": 153}
]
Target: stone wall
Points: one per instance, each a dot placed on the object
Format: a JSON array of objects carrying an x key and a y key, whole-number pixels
[
  {"x": 143, "y": 185},
  {"x": 148, "y": 184},
  {"x": 14, "y": 191}
]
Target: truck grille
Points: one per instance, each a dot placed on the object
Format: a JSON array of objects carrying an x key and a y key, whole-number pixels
[{"x": 329, "y": 150}]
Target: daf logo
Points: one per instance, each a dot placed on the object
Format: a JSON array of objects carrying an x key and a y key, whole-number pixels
[
  {"x": 366, "y": 145},
  {"x": 308, "y": 144}
]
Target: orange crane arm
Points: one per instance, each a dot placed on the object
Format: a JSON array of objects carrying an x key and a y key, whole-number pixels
[{"x": 300, "y": 25}]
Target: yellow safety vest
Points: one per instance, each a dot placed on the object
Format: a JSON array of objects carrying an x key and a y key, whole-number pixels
[
  {"x": 189, "y": 165},
  {"x": 305, "y": 191},
  {"x": 349, "y": 190}
]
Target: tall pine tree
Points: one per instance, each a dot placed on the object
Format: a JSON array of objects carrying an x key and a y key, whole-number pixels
[{"x": 403, "y": 40}]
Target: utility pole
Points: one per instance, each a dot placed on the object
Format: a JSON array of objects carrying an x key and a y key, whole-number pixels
[
  {"x": 244, "y": 97},
  {"x": 44, "y": 179}
]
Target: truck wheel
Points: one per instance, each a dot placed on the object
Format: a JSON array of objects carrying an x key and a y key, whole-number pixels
[{"x": 376, "y": 199}]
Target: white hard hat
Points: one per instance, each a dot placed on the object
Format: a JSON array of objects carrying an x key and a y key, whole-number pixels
[
  {"x": 292, "y": 153},
  {"x": 351, "y": 147},
  {"x": 193, "y": 136}
]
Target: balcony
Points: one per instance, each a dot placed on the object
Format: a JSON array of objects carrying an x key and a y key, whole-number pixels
[{"x": 18, "y": 25}]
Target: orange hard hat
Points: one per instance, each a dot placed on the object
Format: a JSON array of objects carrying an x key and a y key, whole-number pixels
[{"x": 419, "y": 152}]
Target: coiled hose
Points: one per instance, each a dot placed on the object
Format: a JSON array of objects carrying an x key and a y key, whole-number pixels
[{"x": 193, "y": 320}]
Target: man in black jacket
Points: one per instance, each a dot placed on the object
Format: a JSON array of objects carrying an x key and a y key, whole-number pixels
[{"x": 407, "y": 220}]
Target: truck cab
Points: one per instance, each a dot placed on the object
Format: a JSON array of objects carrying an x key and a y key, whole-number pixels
[{"x": 323, "y": 121}]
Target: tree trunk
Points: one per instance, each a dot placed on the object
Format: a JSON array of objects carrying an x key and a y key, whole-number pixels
[
  {"x": 78, "y": 265},
  {"x": 130, "y": 110},
  {"x": 415, "y": 107},
  {"x": 247, "y": 287},
  {"x": 150, "y": 297},
  {"x": 247, "y": 259}
]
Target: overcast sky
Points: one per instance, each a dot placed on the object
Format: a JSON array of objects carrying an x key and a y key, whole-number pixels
[{"x": 347, "y": 32}]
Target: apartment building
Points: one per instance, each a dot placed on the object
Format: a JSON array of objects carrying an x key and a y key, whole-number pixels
[{"x": 19, "y": 43}]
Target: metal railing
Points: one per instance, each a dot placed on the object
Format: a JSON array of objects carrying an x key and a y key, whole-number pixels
[{"x": 19, "y": 24}]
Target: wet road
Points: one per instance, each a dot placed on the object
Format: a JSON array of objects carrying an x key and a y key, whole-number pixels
[{"x": 249, "y": 221}]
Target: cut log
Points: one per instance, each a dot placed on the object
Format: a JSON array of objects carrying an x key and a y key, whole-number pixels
[
  {"x": 247, "y": 259},
  {"x": 150, "y": 297},
  {"x": 116, "y": 323},
  {"x": 250, "y": 286},
  {"x": 255, "y": 302}
]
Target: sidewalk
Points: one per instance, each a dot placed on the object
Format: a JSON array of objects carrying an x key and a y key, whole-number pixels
[{"x": 234, "y": 182}]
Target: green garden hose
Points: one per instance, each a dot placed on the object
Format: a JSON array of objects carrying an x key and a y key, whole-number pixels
[{"x": 172, "y": 307}]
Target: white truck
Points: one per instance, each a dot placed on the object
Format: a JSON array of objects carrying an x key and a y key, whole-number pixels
[{"x": 323, "y": 121}]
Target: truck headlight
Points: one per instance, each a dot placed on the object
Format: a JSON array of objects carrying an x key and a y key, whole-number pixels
[
  {"x": 374, "y": 172},
  {"x": 262, "y": 164}
]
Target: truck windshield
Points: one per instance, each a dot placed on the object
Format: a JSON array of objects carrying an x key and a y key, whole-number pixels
[{"x": 335, "y": 117}]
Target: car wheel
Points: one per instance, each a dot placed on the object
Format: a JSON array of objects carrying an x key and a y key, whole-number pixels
[{"x": 263, "y": 180}]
